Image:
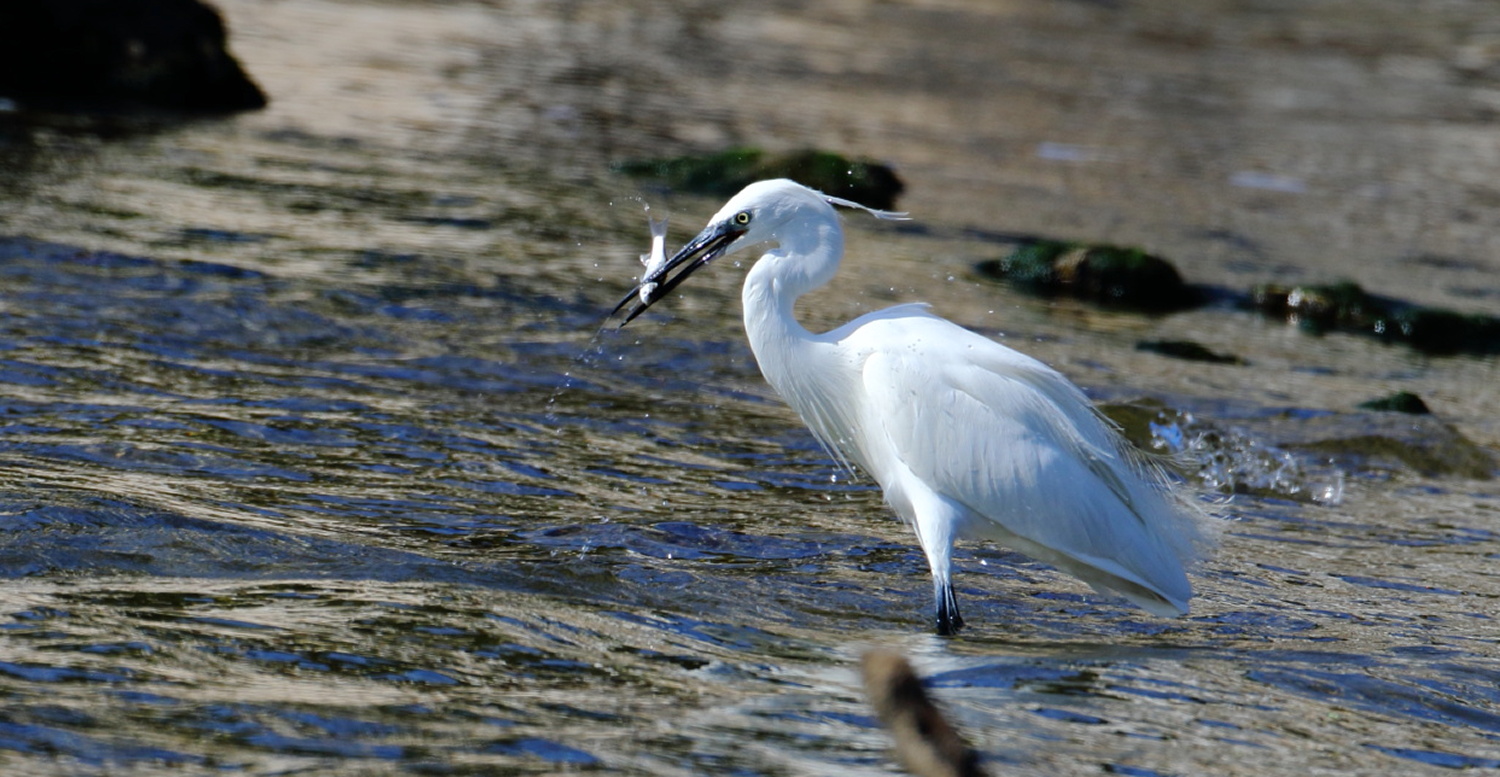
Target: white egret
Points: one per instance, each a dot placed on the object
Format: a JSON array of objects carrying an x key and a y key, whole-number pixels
[{"x": 966, "y": 437}]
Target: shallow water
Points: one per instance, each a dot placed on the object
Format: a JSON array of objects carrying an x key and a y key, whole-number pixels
[{"x": 313, "y": 458}]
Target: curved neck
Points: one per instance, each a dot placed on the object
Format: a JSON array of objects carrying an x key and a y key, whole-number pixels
[
  {"x": 804, "y": 260},
  {"x": 784, "y": 349},
  {"x": 795, "y": 361}
]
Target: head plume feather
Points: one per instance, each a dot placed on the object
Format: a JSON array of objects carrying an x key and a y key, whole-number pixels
[{"x": 888, "y": 215}]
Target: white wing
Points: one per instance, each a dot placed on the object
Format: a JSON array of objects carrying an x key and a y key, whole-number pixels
[{"x": 1023, "y": 450}]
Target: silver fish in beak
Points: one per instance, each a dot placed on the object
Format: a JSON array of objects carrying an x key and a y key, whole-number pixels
[
  {"x": 709, "y": 245},
  {"x": 656, "y": 260}
]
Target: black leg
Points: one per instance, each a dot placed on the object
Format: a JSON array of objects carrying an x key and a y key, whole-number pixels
[{"x": 948, "y": 619}]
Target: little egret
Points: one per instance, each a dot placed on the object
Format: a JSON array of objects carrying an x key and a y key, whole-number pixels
[{"x": 967, "y": 438}]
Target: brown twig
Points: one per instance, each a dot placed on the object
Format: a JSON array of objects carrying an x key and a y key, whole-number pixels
[{"x": 926, "y": 743}]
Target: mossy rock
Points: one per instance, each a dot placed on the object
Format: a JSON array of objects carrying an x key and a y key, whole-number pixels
[
  {"x": 1317, "y": 307},
  {"x": 720, "y": 174},
  {"x": 1103, "y": 274},
  {"x": 726, "y": 172},
  {"x": 1439, "y": 331},
  {"x": 1347, "y": 307}
]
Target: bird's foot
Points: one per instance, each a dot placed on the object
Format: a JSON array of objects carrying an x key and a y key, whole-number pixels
[{"x": 949, "y": 621}]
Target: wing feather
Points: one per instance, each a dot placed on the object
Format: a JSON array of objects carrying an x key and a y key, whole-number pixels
[{"x": 1022, "y": 449}]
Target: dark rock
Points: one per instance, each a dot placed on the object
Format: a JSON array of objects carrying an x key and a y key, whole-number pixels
[
  {"x": 110, "y": 56},
  {"x": 1103, "y": 274},
  {"x": 1399, "y": 402},
  {"x": 1347, "y": 307},
  {"x": 1391, "y": 442},
  {"x": 1188, "y": 350},
  {"x": 725, "y": 173}
]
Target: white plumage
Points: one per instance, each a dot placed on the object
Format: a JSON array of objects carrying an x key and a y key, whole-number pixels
[{"x": 966, "y": 437}]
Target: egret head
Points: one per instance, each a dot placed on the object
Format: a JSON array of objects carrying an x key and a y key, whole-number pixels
[{"x": 760, "y": 213}]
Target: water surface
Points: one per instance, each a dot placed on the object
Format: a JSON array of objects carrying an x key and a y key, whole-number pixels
[{"x": 313, "y": 458}]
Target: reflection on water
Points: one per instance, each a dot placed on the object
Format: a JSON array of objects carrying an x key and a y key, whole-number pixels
[{"x": 313, "y": 456}]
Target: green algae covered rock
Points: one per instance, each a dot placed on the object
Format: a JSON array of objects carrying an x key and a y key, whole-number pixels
[
  {"x": 724, "y": 173},
  {"x": 1399, "y": 402},
  {"x": 1315, "y": 307},
  {"x": 1104, "y": 274}
]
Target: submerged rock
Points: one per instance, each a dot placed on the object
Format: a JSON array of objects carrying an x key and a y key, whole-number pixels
[
  {"x": 1399, "y": 402},
  {"x": 113, "y": 55},
  {"x": 1443, "y": 452},
  {"x": 1299, "y": 454},
  {"x": 1103, "y": 274},
  {"x": 1187, "y": 350},
  {"x": 1222, "y": 459},
  {"x": 1346, "y": 307},
  {"x": 725, "y": 173},
  {"x": 1382, "y": 442}
]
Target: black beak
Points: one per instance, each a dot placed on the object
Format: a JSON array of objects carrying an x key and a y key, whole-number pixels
[{"x": 710, "y": 244}]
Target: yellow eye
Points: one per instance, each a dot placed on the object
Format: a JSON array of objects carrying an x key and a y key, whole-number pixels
[{"x": 742, "y": 218}]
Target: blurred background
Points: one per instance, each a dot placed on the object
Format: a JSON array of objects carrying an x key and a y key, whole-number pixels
[{"x": 318, "y": 454}]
